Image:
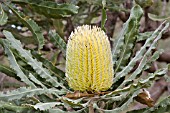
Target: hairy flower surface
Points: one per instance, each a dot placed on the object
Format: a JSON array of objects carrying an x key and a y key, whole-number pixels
[{"x": 88, "y": 60}]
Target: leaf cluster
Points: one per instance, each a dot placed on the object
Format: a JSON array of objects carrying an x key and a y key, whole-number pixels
[{"x": 46, "y": 88}]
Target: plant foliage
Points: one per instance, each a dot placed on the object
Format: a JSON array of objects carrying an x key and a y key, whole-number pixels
[{"x": 46, "y": 89}]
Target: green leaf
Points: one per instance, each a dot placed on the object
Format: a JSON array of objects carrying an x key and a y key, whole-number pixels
[
  {"x": 143, "y": 36},
  {"x": 153, "y": 58},
  {"x": 123, "y": 107},
  {"x": 3, "y": 16},
  {"x": 126, "y": 95},
  {"x": 49, "y": 8},
  {"x": 144, "y": 3},
  {"x": 140, "y": 84},
  {"x": 24, "y": 92},
  {"x": 126, "y": 40},
  {"x": 36, "y": 81},
  {"x": 58, "y": 42},
  {"x": 152, "y": 76},
  {"x": 14, "y": 65},
  {"x": 21, "y": 93},
  {"x": 158, "y": 18},
  {"x": 73, "y": 103},
  {"x": 8, "y": 71},
  {"x": 46, "y": 106},
  {"x": 14, "y": 108},
  {"x": 57, "y": 110},
  {"x": 37, "y": 66},
  {"x": 104, "y": 18},
  {"x": 144, "y": 58},
  {"x": 140, "y": 53},
  {"x": 59, "y": 73},
  {"x": 28, "y": 22},
  {"x": 120, "y": 94}
]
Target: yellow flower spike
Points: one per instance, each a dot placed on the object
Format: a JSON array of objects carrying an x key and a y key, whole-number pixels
[{"x": 89, "y": 64}]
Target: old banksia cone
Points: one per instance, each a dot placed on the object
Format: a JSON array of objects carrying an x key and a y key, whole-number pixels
[{"x": 88, "y": 60}]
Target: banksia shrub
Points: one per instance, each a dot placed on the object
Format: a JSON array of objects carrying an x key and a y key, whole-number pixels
[
  {"x": 89, "y": 64},
  {"x": 95, "y": 79}
]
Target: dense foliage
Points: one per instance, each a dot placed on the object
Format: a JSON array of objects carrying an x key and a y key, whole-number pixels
[{"x": 37, "y": 22}]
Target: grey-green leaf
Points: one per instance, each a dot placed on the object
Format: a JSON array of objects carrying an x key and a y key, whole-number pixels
[
  {"x": 46, "y": 106},
  {"x": 158, "y": 18},
  {"x": 15, "y": 66},
  {"x": 28, "y": 22},
  {"x": 139, "y": 54},
  {"x": 143, "y": 36},
  {"x": 58, "y": 42},
  {"x": 20, "y": 93},
  {"x": 14, "y": 108},
  {"x": 23, "y": 92},
  {"x": 37, "y": 66},
  {"x": 126, "y": 40},
  {"x": 104, "y": 18},
  {"x": 144, "y": 59},
  {"x": 49, "y": 8},
  {"x": 59, "y": 73},
  {"x": 8, "y": 71},
  {"x": 3, "y": 16}
]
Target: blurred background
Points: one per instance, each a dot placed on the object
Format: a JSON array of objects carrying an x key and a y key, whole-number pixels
[{"x": 90, "y": 12}]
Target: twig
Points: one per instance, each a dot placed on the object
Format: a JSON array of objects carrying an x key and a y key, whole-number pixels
[
  {"x": 91, "y": 109},
  {"x": 78, "y": 94}
]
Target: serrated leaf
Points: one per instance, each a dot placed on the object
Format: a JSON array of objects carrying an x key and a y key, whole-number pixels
[
  {"x": 13, "y": 108},
  {"x": 153, "y": 58},
  {"x": 119, "y": 94},
  {"x": 144, "y": 58},
  {"x": 37, "y": 66},
  {"x": 14, "y": 65},
  {"x": 143, "y": 36},
  {"x": 158, "y": 18},
  {"x": 28, "y": 22},
  {"x": 46, "y": 106},
  {"x": 49, "y": 8},
  {"x": 123, "y": 107},
  {"x": 24, "y": 92},
  {"x": 20, "y": 93},
  {"x": 138, "y": 55},
  {"x": 58, "y": 42},
  {"x": 128, "y": 93},
  {"x": 59, "y": 73},
  {"x": 36, "y": 81},
  {"x": 73, "y": 103},
  {"x": 127, "y": 38},
  {"x": 3, "y": 16}
]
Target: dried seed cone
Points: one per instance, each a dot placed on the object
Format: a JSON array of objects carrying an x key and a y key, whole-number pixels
[{"x": 89, "y": 64}]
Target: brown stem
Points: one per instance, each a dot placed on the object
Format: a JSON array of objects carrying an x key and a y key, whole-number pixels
[
  {"x": 78, "y": 94},
  {"x": 91, "y": 109}
]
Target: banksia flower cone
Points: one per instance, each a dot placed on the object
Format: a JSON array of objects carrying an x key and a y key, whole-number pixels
[{"x": 88, "y": 60}]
